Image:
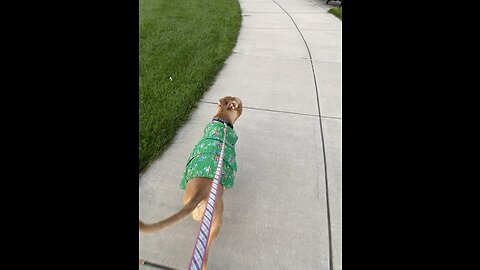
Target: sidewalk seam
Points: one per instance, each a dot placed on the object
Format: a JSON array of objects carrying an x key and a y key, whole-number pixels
[
  {"x": 322, "y": 139},
  {"x": 285, "y": 57},
  {"x": 159, "y": 266},
  {"x": 284, "y": 28},
  {"x": 278, "y": 111}
]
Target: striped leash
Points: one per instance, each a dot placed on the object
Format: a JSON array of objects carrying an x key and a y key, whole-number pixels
[{"x": 198, "y": 254}]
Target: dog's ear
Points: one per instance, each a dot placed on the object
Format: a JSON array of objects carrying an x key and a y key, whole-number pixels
[
  {"x": 223, "y": 103},
  {"x": 229, "y": 102},
  {"x": 239, "y": 109}
]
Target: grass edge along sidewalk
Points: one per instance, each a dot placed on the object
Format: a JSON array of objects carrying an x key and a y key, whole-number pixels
[{"x": 337, "y": 11}]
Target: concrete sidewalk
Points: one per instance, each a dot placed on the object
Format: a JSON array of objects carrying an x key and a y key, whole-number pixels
[{"x": 284, "y": 211}]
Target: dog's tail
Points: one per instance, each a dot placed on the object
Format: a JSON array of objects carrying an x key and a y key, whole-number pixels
[{"x": 187, "y": 209}]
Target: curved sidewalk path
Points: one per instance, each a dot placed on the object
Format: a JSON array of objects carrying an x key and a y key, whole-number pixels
[{"x": 284, "y": 211}]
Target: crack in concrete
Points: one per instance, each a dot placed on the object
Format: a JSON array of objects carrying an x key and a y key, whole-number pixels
[{"x": 330, "y": 248}]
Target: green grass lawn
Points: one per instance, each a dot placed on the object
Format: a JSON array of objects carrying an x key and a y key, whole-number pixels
[
  {"x": 337, "y": 11},
  {"x": 183, "y": 44}
]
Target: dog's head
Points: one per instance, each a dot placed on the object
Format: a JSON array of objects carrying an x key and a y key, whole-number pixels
[{"x": 231, "y": 107}]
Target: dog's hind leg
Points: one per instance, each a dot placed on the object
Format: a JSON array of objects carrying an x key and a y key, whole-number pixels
[
  {"x": 216, "y": 224},
  {"x": 198, "y": 212}
]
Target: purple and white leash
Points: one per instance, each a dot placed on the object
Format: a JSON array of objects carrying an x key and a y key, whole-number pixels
[{"x": 200, "y": 247}]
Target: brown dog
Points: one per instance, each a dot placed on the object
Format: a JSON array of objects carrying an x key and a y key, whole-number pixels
[{"x": 198, "y": 188}]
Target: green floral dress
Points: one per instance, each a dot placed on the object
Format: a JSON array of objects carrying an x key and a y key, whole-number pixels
[{"x": 203, "y": 160}]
